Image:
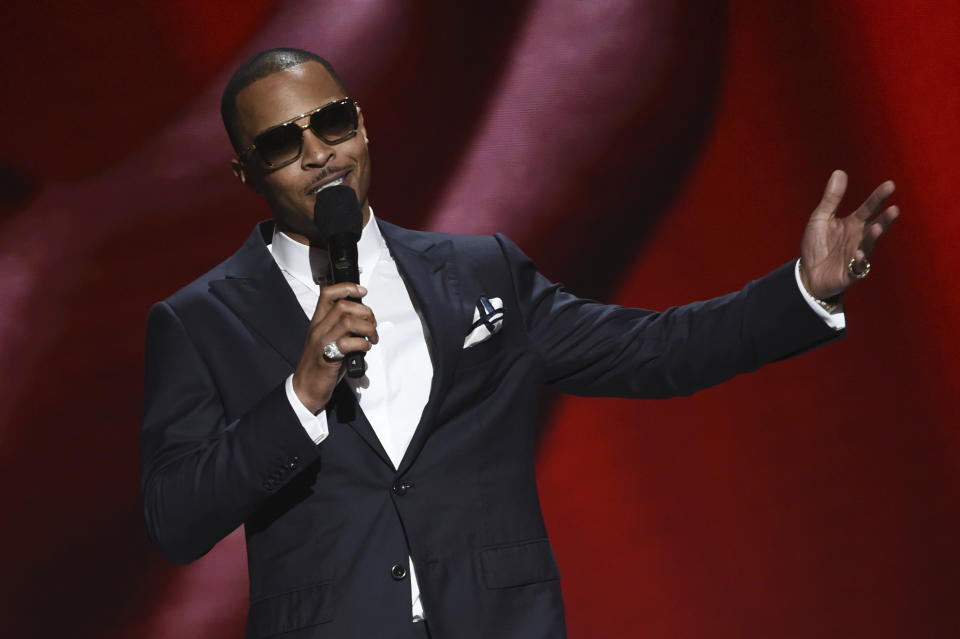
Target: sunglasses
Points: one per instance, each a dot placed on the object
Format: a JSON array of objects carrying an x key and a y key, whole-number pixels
[{"x": 282, "y": 144}]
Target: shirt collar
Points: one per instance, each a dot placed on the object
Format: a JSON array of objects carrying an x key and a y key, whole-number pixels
[
  {"x": 370, "y": 247},
  {"x": 310, "y": 264}
]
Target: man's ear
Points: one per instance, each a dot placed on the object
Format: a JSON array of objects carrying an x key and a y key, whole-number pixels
[
  {"x": 362, "y": 127},
  {"x": 241, "y": 174},
  {"x": 237, "y": 167}
]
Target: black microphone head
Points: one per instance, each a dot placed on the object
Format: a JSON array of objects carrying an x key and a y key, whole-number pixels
[{"x": 337, "y": 212}]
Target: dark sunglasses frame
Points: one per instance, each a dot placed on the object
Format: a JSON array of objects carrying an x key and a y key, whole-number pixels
[{"x": 315, "y": 117}]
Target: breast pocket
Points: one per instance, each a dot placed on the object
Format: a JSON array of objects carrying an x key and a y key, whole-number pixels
[
  {"x": 481, "y": 353},
  {"x": 276, "y": 614}
]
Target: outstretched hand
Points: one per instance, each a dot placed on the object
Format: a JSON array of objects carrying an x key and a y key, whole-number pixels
[{"x": 830, "y": 242}]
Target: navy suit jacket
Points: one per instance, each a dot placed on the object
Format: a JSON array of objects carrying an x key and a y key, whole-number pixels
[{"x": 326, "y": 524}]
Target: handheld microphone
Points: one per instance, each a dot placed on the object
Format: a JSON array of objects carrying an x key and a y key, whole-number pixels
[{"x": 337, "y": 216}]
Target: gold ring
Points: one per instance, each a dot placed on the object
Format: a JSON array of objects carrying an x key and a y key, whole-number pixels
[{"x": 862, "y": 274}]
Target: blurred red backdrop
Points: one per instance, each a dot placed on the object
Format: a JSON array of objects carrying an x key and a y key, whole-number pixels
[{"x": 816, "y": 497}]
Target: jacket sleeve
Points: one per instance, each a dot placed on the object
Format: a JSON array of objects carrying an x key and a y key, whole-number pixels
[
  {"x": 590, "y": 348},
  {"x": 200, "y": 476}
]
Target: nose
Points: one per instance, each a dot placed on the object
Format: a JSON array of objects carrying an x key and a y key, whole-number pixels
[{"x": 316, "y": 152}]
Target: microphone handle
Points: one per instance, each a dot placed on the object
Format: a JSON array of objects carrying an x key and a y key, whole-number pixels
[
  {"x": 356, "y": 363},
  {"x": 344, "y": 268}
]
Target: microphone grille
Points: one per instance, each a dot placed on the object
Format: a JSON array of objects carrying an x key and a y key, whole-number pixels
[{"x": 337, "y": 212}]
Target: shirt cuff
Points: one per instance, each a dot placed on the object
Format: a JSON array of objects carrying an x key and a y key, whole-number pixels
[
  {"x": 315, "y": 425},
  {"x": 836, "y": 320}
]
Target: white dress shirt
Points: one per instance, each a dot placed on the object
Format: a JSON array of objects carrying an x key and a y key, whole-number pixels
[{"x": 396, "y": 387}]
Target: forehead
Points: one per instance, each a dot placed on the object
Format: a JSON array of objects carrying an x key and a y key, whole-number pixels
[{"x": 283, "y": 95}]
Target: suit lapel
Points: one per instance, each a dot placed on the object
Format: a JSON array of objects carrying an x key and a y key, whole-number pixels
[
  {"x": 427, "y": 267},
  {"x": 256, "y": 291}
]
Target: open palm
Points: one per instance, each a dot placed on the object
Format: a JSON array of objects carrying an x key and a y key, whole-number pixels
[{"x": 829, "y": 242}]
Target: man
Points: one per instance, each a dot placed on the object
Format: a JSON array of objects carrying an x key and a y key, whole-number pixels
[{"x": 409, "y": 495}]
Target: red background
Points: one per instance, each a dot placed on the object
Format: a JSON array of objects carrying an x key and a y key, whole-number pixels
[{"x": 814, "y": 498}]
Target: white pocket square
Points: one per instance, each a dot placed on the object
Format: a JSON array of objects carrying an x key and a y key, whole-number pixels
[{"x": 487, "y": 321}]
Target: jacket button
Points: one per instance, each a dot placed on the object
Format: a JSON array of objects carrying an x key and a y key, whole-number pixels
[
  {"x": 398, "y": 572},
  {"x": 400, "y": 488}
]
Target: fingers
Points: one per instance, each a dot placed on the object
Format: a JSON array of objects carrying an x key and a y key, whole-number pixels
[
  {"x": 878, "y": 227},
  {"x": 351, "y": 344},
  {"x": 350, "y": 319},
  {"x": 333, "y": 293},
  {"x": 872, "y": 205},
  {"x": 832, "y": 195},
  {"x": 347, "y": 323},
  {"x": 888, "y": 217}
]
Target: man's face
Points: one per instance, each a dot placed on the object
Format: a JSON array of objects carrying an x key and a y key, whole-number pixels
[{"x": 290, "y": 190}]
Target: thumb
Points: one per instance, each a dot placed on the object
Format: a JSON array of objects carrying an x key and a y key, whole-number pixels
[{"x": 832, "y": 195}]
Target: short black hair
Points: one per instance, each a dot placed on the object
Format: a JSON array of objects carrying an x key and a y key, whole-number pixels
[{"x": 258, "y": 66}]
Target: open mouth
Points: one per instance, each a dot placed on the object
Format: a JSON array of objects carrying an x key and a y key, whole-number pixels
[{"x": 323, "y": 185}]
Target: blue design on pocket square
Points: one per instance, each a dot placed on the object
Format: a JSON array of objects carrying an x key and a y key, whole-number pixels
[{"x": 487, "y": 320}]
